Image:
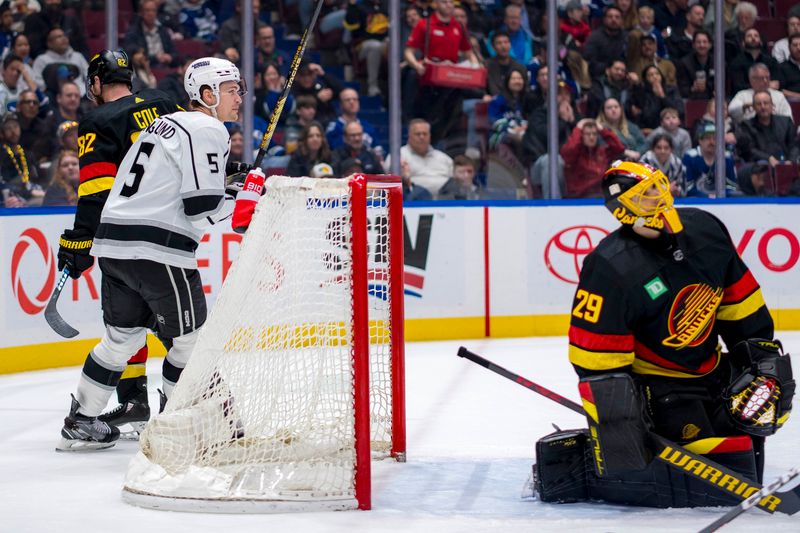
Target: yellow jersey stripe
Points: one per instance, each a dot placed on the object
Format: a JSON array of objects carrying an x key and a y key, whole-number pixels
[
  {"x": 598, "y": 360},
  {"x": 136, "y": 370},
  {"x": 643, "y": 367},
  {"x": 95, "y": 186},
  {"x": 743, "y": 309}
]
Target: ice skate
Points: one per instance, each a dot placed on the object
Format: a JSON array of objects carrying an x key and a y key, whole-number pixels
[
  {"x": 85, "y": 433},
  {"x": 131, "y": 415}
]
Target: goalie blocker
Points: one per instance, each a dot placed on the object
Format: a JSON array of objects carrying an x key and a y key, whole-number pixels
[{"x": 613, "y": 460}]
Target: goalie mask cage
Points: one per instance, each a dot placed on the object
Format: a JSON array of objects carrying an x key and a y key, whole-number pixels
[{"x": 297, "y": 376}]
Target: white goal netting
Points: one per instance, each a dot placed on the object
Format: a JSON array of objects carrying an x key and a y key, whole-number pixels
[{"x": 264, "y": 412}]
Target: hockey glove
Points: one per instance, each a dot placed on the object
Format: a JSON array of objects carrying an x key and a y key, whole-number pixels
[
  {"x": 73, "y": 252},
  {"x": 236, "y": 167},
  {"x": 247, "y": 199},
  {"x": 759, "y": 399}
]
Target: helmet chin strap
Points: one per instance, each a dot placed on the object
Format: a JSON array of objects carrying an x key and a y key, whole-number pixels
[{"x": 212, "y": 108}]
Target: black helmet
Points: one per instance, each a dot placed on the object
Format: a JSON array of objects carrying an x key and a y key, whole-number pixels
[{"x": 110, "y": 67}]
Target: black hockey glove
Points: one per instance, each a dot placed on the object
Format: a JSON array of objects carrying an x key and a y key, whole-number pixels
[
  {"x": 73, "y": 252},
  {"x": 234, "y": 183},
  {"x": 237, "y": 167},
  {"x": 759, "y": 398}
]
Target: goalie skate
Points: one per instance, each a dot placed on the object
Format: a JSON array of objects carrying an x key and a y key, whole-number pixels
[{"x": 85, "y": 433}]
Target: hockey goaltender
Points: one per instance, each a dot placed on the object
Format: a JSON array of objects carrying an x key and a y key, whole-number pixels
[{"x": 652, "y": 302}]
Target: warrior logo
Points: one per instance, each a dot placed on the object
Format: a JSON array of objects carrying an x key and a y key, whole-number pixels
[{"x": 692, "y": 315}]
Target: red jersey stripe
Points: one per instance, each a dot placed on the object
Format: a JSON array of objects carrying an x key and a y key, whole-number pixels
[
  {"x": 646, "y": 354},
  {"x": 741, "y": 289},
  {"x": 600, "y": 342},
  {"x": 95, "y": 170}
]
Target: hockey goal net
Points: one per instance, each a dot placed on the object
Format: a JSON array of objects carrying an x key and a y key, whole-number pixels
[{"x": 297, "y": 376}]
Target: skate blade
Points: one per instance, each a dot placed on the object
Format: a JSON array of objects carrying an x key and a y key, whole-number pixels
[
  {"x": 74, "y": 445},
  {"x": 131, "y": 430}
]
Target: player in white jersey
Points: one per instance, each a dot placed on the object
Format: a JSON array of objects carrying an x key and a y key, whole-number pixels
[{"x": 169, "y": 188}]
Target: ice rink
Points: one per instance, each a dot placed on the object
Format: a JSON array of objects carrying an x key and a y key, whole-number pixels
[{"x": 470, "y": 448}]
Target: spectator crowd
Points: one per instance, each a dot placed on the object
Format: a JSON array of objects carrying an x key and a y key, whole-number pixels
[{"x": 635, "y": 81}]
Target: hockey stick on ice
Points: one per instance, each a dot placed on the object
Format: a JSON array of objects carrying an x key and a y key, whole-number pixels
[
  {"x": 276, "y": 112},
  {"x": 752, "y": 501},
  {"x": 54, "y": 319},
  {"x": 673, "y": 455}
]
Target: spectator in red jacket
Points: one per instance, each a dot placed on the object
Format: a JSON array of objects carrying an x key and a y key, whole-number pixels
[
  {"x": 586, "y": 160},
  {"x": 574, "y": 24}
]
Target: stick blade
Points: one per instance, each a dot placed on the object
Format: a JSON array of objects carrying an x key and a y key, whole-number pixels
[{"x": 54, "y": 319}]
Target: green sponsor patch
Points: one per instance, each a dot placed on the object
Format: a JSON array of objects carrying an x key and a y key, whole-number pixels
[{"x": 655, "y": 288}]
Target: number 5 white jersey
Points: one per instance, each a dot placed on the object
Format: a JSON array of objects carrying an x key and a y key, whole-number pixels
[{"x": 170, "y": 187}]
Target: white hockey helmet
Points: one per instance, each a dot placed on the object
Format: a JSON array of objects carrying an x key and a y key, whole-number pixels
[{"x": 211, "y": 72}]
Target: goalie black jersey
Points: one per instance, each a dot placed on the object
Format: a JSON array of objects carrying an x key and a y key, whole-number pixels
[
  {"x": 658, "y": 306},
  {"x": 169, "y": 188},
  {"x": 104, "y": 136}
]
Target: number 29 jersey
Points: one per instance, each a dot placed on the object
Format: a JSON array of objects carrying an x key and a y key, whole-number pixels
[
  {"x": 169, "y": 188},
  {"x": 659, "y": 306}
]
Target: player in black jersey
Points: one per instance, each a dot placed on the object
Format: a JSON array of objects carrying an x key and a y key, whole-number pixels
[
  {"x": 653, "y": 300},
  {"x": 104, "y": 136}
]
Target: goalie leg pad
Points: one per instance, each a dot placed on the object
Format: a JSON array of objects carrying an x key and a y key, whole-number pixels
[
  {"x": 672, "y": 485},
  {"x": 617, "y": 428},
  {"x": 561, "y": 467}
]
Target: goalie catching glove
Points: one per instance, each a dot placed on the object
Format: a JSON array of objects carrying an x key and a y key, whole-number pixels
[
  {"x": 759, "y": 399},
  {"x": 247, "y": 199},
  {"x": 73, "y": 252}
]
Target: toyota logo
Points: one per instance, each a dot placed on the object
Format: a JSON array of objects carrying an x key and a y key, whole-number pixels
[
  {"x": 32, "y": 239},
  {"x": 565, "y": 251}
]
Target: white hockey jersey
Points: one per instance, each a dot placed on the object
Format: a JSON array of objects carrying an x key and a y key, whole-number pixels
[{"x": 169, "y": 188}]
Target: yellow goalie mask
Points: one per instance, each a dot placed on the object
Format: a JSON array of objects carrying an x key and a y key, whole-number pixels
[{"x": 639, "y": 195}]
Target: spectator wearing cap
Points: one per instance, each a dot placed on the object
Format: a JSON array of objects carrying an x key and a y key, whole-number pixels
[
  {"x": 647, "y": 56},
  {"x": 18, "y": 174},
  {"x": 312, "y": 148},
  {"x": 644, "y": 27},
  {"x": 322, "y": 170},
  {"x": 606, "y": 43},
  {"x": 789, "y": 70},
  {"x": 59, "y": 63},
  {"x": 679, "y": 43},
  {"x": 752, "y": 53},
  {"x": 54, "y": 15},
  {"x": 230, "y": 33},
  {"x": 573, "y": 23},
  {"x": 700, "y": 166},
  {"x": 428, "y": 167},
  {"x": 349, "y": 107},
  {"x": 312, "y": 80},
  {"x": 741, "y": 105},
  {"x": 67, "y": 135},
  {"x": 148, "y": 33},
  {"x": 11, "y": 85},
  {"x": 354, "y": 148},
  {"x": 767, "y": 135}
]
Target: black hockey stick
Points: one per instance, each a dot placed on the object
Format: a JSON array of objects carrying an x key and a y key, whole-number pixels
[
  {"x": 674, "y": 455},
  {"x": 752, "y": 501},
  {"x": 276, "y": 112},
  {"x": 54, "y": 319}
]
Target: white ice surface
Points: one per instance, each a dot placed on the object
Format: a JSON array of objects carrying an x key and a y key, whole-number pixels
[{"x": 470, "y": 448}]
